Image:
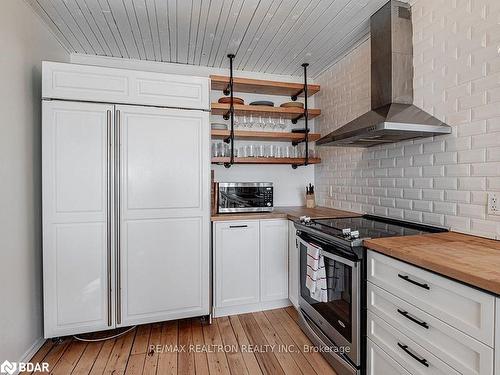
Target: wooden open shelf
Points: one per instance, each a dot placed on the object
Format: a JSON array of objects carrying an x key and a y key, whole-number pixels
[
  {"x": 220, "y": 160},
  {"x": 251, "y": 135},
  {"x": 258, "y": 86},
  {"x": 260, "y": 110}
]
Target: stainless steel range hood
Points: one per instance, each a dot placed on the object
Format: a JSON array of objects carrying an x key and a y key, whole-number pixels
[{"x": 393, "y": 117}]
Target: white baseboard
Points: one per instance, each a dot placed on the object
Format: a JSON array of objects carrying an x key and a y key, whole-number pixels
[
  {"x": 26, "y": 357},
  {"x": 252, "y": 307}
]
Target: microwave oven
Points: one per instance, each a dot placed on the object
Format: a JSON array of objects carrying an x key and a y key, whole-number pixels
[{"x": 244, "y": 197}]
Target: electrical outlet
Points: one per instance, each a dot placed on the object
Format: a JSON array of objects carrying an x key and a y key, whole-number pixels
[{"x": 493, "y": 205}]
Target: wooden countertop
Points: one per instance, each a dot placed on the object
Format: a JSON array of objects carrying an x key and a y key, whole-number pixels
[
  {"x": 291, "y": 213},
  {"x": 469, "y": 259}
]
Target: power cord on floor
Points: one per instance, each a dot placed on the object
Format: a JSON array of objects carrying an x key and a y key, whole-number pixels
[{"x": 104, "y": 338}]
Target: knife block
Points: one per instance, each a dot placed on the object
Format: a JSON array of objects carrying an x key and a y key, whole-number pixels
[{"x": 310, "y": 201}]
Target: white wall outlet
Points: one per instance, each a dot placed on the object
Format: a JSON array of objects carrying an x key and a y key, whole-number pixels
[{"x": 493, "y": 204}]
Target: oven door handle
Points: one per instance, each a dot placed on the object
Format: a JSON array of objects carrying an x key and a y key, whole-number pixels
[{"x": 329, "y": 255}]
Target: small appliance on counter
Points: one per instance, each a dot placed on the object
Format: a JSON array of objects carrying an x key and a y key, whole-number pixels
[{"x": 233, "y": 197}]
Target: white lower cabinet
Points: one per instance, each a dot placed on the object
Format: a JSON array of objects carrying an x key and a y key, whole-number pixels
[
  {"x": 236, "y": 263},
  {"x": 250, "y": 266},
  {"x": 497, "y": 338},
  {"x": 293, "y": 265},
  {"x": 379, "y": 363},
  {"x": 273, "y": 260},
  {"x": 413, "y": 357},
  {"x": 424, "y": 321}
]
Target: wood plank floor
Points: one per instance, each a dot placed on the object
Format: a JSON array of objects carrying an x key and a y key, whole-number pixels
[{"x": 269, "y": 342}]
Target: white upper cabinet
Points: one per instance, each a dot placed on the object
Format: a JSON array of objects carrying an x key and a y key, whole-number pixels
[
  {"x": 273, "y": 259},
  {"x": 76, "y": 251},
  {"x": 164, "y": 214},
  {"x": 98, "y": 84}
]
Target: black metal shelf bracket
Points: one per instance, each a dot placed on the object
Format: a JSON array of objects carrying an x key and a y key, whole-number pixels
[
  {"x": 230, "y": 114},
  {"x": 296, "y": 95},
  {"x": 305, "y": 115}
]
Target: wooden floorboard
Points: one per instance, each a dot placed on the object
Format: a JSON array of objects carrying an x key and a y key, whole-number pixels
[{"x": 261, "y": 343}]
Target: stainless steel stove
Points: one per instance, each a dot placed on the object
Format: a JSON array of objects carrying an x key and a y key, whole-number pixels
[{"x": 337, "y": 321}]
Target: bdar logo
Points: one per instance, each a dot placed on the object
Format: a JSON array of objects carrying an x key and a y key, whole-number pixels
[{"x": 8, "y": 368}]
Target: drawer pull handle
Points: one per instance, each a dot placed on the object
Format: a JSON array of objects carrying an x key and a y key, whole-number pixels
[
  {"x": 414, "y": 320},
  {"x": 407, "y": 278},
  {"x": 238, "y": 226},
  {"x": 423, "y": 361}
]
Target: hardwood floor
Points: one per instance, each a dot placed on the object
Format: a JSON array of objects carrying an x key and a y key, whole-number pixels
[{"x": 269, "y": 342}]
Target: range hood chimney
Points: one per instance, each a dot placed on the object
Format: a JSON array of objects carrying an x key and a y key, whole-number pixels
[{"x": 393, "y": 117}]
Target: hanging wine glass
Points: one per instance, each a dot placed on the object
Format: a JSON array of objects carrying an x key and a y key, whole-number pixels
[{"x": 250, "y": 122}]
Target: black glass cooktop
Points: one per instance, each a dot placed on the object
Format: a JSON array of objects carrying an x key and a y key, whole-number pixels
[{"x": 370, "y": 226}]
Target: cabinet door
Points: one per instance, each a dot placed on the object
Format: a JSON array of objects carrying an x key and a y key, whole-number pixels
[
  {"x": 273, "y": 259},
  {"x": 76, "y": 247},
  {"x": 293, "y": 265},
  {"x": 236, "y": 263},
  {"x": 164, "y": 174}
]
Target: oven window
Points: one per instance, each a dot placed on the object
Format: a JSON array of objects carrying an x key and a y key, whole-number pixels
[
  {"x": 241, "y": 197},
  {"x": 337, "y": 310}
]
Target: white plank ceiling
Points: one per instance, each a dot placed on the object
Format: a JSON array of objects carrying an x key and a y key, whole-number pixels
[{"x": 272, "y": 36}]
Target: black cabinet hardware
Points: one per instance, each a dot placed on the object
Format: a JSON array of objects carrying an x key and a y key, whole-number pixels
[
  {"x": 414, "y": 320},
  {"x": 423, "y": 361},
  {"x": 238, "y": 226},
  {"x": 407, "y": 278}
]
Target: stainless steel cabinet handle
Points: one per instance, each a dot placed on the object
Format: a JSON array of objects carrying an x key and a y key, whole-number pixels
[
  {"x": 108, "y": 214},
  {"x": 117, "y": 218}
]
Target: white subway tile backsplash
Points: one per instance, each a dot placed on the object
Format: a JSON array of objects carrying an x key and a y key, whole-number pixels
[
  {"x": 447, "y": 208},
  {"x": 440, "y": 180},
  {"x": 457, "y": 196},
  {"x": 472, "y": 156}
]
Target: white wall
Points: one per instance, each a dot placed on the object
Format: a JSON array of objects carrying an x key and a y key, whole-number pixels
[
  {"x": 442, "y": 180},
  {"x": 289, "y": 184},
  {"x": 24, "y": 41}
]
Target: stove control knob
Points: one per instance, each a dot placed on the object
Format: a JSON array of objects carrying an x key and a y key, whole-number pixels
[
  {"x": 346, "y": 232},
  {"x": 355, "y": 234}
]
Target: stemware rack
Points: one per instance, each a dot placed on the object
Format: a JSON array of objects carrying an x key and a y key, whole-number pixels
[{"x": 230, "y": 84}]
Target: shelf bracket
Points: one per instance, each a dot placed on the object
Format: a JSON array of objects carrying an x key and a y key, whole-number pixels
[
  {"x": 305, "y": 115},
  {"x": 295, "y": 96},
  {"x": 230, "y": 113}
]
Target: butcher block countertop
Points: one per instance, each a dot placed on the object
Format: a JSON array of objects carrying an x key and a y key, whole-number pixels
[
  {"x": 291, "y": 213},
  {"x": 469, "y": 259}
]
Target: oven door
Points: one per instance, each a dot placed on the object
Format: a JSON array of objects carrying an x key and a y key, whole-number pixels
[
  {"x": 245, "y": 197},
  {"x": 339, "y": 317}
]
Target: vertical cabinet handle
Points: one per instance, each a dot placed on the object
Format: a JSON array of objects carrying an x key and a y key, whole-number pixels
[
  {"x": 405, "y": 348},
  {"x": 108, "y": 213},
  {"x": 117, "y": 218},
  {"x": 407, "y": 278}
]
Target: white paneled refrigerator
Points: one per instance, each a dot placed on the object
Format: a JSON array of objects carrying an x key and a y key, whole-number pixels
[{"x": 126, "y": 221}]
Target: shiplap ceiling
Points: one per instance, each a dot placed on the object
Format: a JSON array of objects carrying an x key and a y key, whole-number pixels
[{"x": 272, "y": 36}]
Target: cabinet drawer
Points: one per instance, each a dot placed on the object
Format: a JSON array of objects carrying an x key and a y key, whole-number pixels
[
  {"x": 379, "y": 363},
  {"x": 465, "y": 308},
  {"x": 413, "y": 357},
  {"x": 462, "y": 352}
]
